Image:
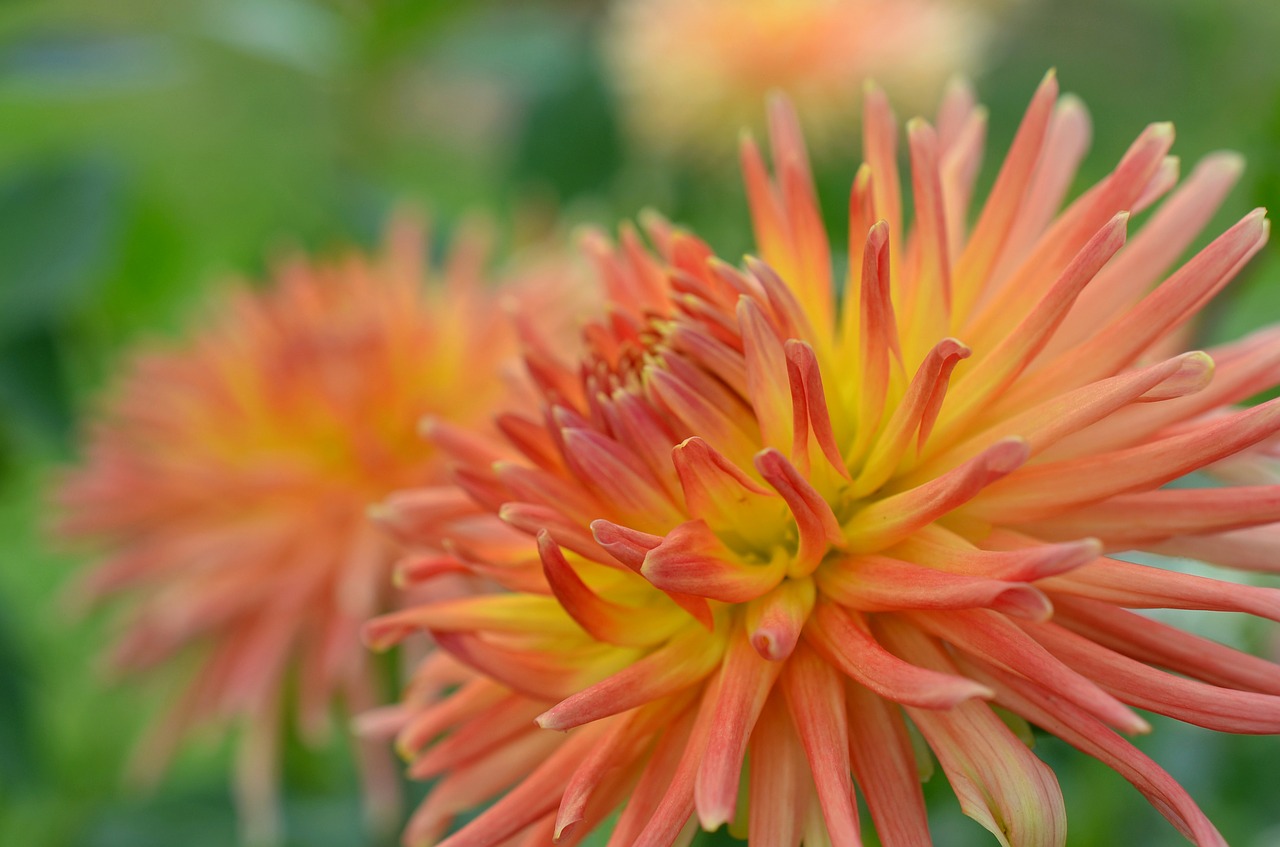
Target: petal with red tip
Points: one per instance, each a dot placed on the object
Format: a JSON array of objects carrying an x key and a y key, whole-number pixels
[
  {"x": 693, "y": 560},
  {"x": 887, "y": 521}
]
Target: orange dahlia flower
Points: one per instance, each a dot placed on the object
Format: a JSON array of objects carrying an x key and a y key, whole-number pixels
[
  {"x": 691, "y": 71},
  {"x": 776, "y": 524},
  {"x": 228, "y": 478}
]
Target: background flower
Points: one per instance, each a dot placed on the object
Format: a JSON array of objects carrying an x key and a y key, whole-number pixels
[
  {"x": 688, "y": 70},
  {"x": 227, "y": 479}
]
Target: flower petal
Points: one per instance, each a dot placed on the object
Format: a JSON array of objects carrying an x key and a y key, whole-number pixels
[
  {"x": 745, "y": 682},
  {"x": 889, "y": 520},
  {"x": 1000, "y": 784},
  {"x": 845, "y": 640},
  {"x": 693, "y": 560},
  {"x": 815, "y": 697}
]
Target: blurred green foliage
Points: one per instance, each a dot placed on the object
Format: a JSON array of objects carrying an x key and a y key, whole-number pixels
[{"x": 149, "y": 148}]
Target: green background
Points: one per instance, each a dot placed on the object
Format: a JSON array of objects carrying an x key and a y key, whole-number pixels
[{"x": 150, "y": 148}]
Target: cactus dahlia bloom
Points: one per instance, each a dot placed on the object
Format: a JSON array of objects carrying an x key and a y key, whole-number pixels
[
  {"x": 228, "y": 479},
  {"x": 775, "y": 524},
  {"x": 689, "y": 70}
]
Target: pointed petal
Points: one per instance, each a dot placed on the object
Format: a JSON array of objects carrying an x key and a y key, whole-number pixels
[
  {"x": 937, "y": 548},
  {"x": 1137, "y": 520},
  {"x": 536, "y": 796},
  {"x": 1087, "y": 734},
  {"x": 692, "y": 560},
  {"x": 720, "y": 493},
  {"x": 780, "y": 778},
  {"x": 1052, "y": 488},
  {"x": 1221, "y": 709},
  {"x": 1000, "y": 784},
  {"x": 884, "y": 764},
  {"x": 974, "y": 265},
  {"x": 812, "y": 416},
  {"x": 888, "y": 521},
  {"x": 845, "y": 641},
  {"x": 774, "y": 620},
  {"x": 915, "y": 415},
  {"x": 816, "y": 524},
  {"x": 1143, "y": 587},
  {"x": 1155, "y": 643},
  {"x": 605, "y": 620},
  {"x": 874, "y": 583},
  {"x": 815, "y": 697},
  {"x": 745, "y": 682},
  {"x": 683, "y": 661},
  {"x": 994, "y": 638}
]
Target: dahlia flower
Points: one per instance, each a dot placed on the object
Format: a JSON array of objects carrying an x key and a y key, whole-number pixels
[
  {"x": 689, "y": 72},
  {"x": 779, "y": 532},
  {"x": 228, "y": 477}
]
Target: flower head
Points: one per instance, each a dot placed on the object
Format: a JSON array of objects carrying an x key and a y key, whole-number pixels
[
  {"x": 775, "y": 522},
  {"x": 228, "y": 478},
  {"x": 690, "y": 71}
]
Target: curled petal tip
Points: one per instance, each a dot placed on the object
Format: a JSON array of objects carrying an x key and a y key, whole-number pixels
[
  {"x": 713, "y": 819},
  {"x": 564, "y": 829},
  {"x": 380, "y": 635},
  {"x": 549, "y": 720},
  {"x": 1007, "y": 455},
  {"x": 1024, "y": 601},
  {"x": 953, "y": 348}
]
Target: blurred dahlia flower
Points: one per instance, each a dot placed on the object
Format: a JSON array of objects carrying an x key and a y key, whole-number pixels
[
  {"x": 775, "y": 527},
  {"x": 228, "y": 479},
  {"x": 689, "y": 72}
]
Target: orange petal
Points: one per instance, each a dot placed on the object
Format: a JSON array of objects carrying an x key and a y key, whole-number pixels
[
  {"x": 1087, "y": 734},
  {"x": 999, "y": 782},
  {"x": 1147, "y": 640},
  {"x": 974, "y": 265},
  {"x": 1048, "y": 489},
  {"x": 774, "y": 620},
  {"x": 745, "y": 682},
  {"x": 815, "y": 697},
  {"x": 1136, "y": 520},
  {"x": 780, "y": 779},
  {"x": 892, "y": 519},
  {"x": 683, "y": 661},
  {"x": 605, "y": 620},
  {"x": 811, "y": 413},
  {"x": 994, "y": 638},
  {"x": 915, "y": 415},
  {"x": 816, "y": 524},
  {"x": 1142, "y": 587},
  {"x": 1221, "y": 709},
  {"x": 884, "y": 764},
  {"x": 873, "y": 583},
  {"x": 536, "y": 796},
  {"x": 845, "y": 641},
  {"x": 693, "y": 560},
  {"x": 937, "y": 548}
]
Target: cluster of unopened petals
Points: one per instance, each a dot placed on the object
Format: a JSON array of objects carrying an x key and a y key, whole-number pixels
[
  {"x": 774, "y": 525},
  {"x": 227, "y": 477},
  {"x": 689, "y": 72}
]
